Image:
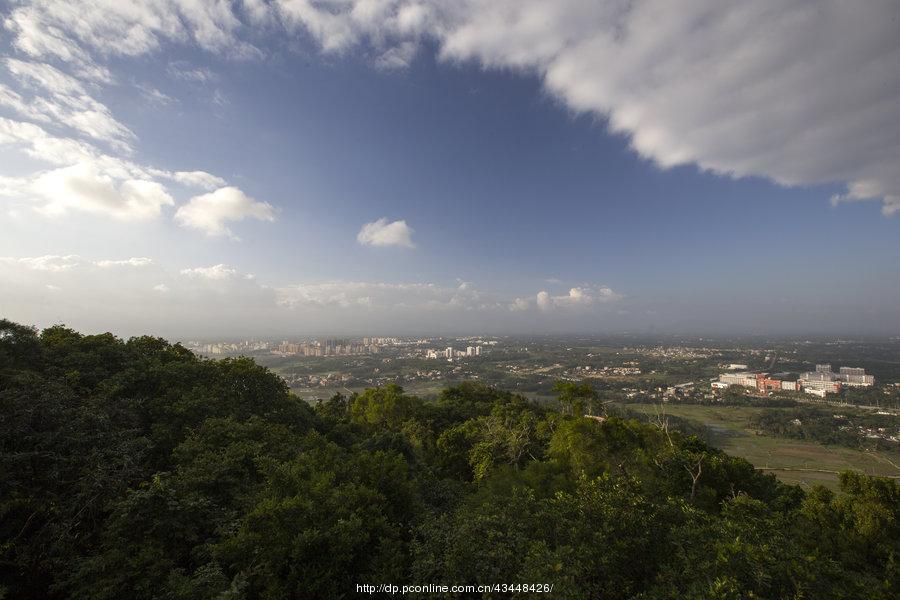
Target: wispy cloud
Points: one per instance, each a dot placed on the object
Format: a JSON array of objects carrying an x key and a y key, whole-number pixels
[
  {"x": 221, "y": 295},
  {"x": 434, "y": 297},
  {"x": 63, "y": 100},
  {"x": 199, "y": 179},
  {"x": 56, "y": 263},
  {"x": 141, "y": 261}
]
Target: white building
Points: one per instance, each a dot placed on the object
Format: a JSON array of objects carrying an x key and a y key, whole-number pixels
[
  {"x": 855, "y": 376},
  {"x": 744, "y": 379},
  {"x": 823, "y": 378},
  {"x": 819, "y": 387}
]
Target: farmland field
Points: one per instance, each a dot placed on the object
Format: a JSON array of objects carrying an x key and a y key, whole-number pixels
[{"x": 793, "y": 461}]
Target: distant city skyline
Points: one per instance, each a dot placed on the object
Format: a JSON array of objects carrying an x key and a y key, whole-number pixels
[{"x": 201, "y": 169}]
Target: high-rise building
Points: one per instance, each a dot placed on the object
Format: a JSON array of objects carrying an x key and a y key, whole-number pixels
[
  {"x": 470, "y": 350},
  {"x": 448, "y": 353},
  {"x": 852, "y": 371}
]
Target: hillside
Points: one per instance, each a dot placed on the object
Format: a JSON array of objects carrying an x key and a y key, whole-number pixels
[{"x": 134, "y": 468}]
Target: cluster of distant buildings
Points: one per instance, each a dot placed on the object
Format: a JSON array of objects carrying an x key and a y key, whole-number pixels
[
  {"x": 219, "y": 348},
  {"x": 626, "y": 369},
  {"x": 338, "y": 347},
  {"x": 450, "y": 353},
  {"x": 820, "y": 382},
  {"x": 414, "y": 347}
]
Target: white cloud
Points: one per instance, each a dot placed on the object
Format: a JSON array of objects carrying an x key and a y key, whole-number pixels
[
  {"x": 50, "y": 262},
  {"x": 128, "y": 262},
  {"x": 83, "y": 187},
  {"x": 544, "y": 302},
  {"x": 47, "y": 77},
  {"x": 83, "y": 158},
  {"x": 96, "y": 182},
  {"x": 211, "y": 212},
  {"x": 13, "y": 186},
  {"x": 397, "y": 57},
  {"x": 56, "y": 263},
  {"x": 36, "y": 36},
  {"x": 186, "y": 72},
  {"x": 577, "y": 297},
  {"x": 71, "y": 29},
  {"x": 199, "y": 179},
  {"x": 218, "y": 272},
  {"x": 161, "y": 288},
  {"x": 520, "y": 304},
  {"x": 61, "y": 99},
  {"x": 384, "y": 233},
  {"x": 90, "y": 180},
  {"x": 36, "y": 142},
  {"x": 155, "y": 96}
]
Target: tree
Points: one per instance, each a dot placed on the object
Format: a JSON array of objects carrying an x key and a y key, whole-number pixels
[
  {"x": 575, "y": 398},
  {"x": 20, "y": 348},
  {"x": 384, "y": 407}
]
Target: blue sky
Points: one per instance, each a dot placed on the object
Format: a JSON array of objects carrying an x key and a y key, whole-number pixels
[{"x": 538, "y": 188}]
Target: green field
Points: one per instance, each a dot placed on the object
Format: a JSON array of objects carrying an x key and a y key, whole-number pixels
[{"x": 793, "y": 461}]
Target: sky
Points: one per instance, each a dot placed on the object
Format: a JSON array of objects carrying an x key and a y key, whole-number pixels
[{"x": 251, "y": 168}]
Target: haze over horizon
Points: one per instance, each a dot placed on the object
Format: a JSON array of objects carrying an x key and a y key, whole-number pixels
[{"x": 192, "y": 168}]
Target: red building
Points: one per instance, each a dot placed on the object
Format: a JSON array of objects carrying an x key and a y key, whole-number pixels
[{"x": 765, "y": 384}]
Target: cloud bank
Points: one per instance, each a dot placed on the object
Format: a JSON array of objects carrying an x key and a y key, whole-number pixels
[{"x": 221, "y": 299}]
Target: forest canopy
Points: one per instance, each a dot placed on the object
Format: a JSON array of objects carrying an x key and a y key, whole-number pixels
[{"x": 136, "y": 468}]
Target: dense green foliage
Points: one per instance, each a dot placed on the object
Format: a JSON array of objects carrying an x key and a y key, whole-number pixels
[
  {"x": 829, "y": 425},
  {"x": 135, "y": 469}
]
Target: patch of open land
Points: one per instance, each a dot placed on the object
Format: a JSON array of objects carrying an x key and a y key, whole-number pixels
[{"x": 793, "y": 461}]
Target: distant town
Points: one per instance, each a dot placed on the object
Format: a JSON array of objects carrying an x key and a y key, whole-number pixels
[
  {"x": 342, "y": 347},
  {"x": 627, "y": 368}
]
